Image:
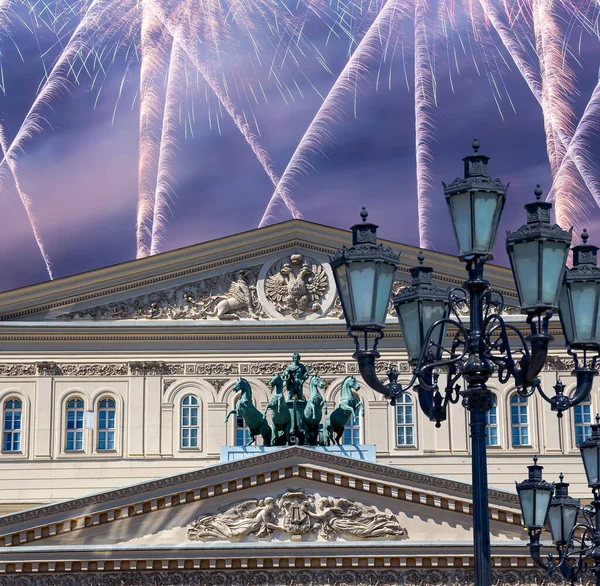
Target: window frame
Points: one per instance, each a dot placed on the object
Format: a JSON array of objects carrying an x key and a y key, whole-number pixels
[
  {"x": 13, "y": 431},
  {"x": 587, "y": 403},
  {"x": 401, "y": 402},
  {"x": 522, "y": 401},
  {"x": 489, "y": 426},
  {"x": 182, "y": 427},
  {"x": 98, "y": 430},
  {"x": 65, "y": 429}
]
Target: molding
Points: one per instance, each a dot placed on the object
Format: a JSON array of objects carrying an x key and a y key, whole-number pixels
[
  {"x": 216, "y": 369},
  {"x": 346, "y": 572},
  {"x": 377, "y": 473}
]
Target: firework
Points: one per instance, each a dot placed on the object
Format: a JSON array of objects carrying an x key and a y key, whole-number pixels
[{"x": 237, "y": 46}]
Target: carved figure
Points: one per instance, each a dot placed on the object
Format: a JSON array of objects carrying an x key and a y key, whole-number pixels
[
  {"x": 295, "y": 375},
  {"x": 239, "y": 296},
  {"x": 297, "y": 513},
  {"x": 298, "y": 291},
  {"x": 255, "y": 517},
  {"x": 254, "y": 419},
  {"x": 313, "y": 412},
  {"x": 346, "y": 409},
  {"x": 281, "y": 419},
  {"x": 341, "y": 517}
]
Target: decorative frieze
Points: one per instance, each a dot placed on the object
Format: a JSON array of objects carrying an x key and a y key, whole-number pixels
[
  {"x": 227, "y": 296},
  {"x": 298, "y": 514},
  {"x": 212, "y": 368},
  {"x": 17, "y": 369},
  {"x": 146, "y": 368},
  {"x": 46, "y": 368},
  {"x": 298, "y": 572},
  {"x": 98, "y": 369}
]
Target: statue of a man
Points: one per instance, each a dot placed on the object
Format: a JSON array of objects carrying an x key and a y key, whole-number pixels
[{"x": 295, "y": 375}]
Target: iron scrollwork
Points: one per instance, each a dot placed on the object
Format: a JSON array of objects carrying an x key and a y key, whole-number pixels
[{"x": 478, "y": 351}]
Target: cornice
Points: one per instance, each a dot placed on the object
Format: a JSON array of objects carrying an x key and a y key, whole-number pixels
[
  {"x": 142, "y": 274},
  {"x": 395, "y": 483},
  {"x": 559, "y": 363}
]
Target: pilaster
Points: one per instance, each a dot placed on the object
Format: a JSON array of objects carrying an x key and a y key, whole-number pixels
[{"x": 44, "y": 409}]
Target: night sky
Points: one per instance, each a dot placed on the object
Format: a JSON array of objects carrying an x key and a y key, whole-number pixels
[{"x": 81, "y": 173}]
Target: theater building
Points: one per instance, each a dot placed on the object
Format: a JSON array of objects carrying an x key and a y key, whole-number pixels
[{"x": 118, "y": 466}]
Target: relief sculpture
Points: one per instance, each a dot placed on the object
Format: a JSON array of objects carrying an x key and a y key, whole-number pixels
[
  {"x": 226, "y": 297},
  {"x": 297, "y": 513},
  {"x": 297, "y": 287}
]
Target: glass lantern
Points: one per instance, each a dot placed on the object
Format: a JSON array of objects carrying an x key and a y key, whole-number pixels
[
  {"x": 579, "y": 296},
  {"x": 563, "y": 512},
  {"x": 418, "y": 308},
  {"x": 475, "y": 203},
  {"x": 538, "y": 254},
  {"x": 534, "y": 498},
  {"x": 364, "y": 275},
  {"x": 590, "y": 454}
]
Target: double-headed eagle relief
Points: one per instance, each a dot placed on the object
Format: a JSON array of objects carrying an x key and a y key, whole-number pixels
[
  {"x": 296, "y": 287},
  {"x": 299, "y": 514}
]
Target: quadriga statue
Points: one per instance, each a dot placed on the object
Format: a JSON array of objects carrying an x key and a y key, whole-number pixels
[{"x": 254, "y": 419}]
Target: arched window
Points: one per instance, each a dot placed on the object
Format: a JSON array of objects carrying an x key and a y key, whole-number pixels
[
  {"x": 242, "y": 433},
  {"x": 491, "y": 430},
  {"x": 582, "y": 416},
  {"x": 189, "y": 422},
  {"x": 106, "y": 425},
  {"x": 74, "y": 430},
  {"x": 519, "y": 420},
  {"x": 352, "y": 431},
  {"x": 12, "y": 425},
  {"x": 405, "y": 426}
]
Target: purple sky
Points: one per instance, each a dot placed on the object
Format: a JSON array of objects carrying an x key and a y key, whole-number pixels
[{"x": 81, "y": 174}]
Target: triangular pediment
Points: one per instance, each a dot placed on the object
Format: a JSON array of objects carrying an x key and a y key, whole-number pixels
[
  {"x": 248, "y": 277},
  {"x": 394, "y": 504}
]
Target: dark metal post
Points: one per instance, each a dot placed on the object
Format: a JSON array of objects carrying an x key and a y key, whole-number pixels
[
  {"x": 596, "y": 551},
  {"x": 478, "y": 400}
]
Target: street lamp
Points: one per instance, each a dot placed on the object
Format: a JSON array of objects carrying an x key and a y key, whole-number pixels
[
  {"x": 575, "y": 542},
  {"x": 478, "y": 349}
]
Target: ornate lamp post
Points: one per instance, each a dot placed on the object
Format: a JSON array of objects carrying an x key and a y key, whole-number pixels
[
  {"x": 575, "y": 542},
  {"x": 479, "y": 348}
]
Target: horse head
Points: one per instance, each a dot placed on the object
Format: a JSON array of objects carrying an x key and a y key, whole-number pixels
[
  {"x": 316, "y": 383},
  {"x": 244, "y": 386},
  {"x": 277, "y": 382}
]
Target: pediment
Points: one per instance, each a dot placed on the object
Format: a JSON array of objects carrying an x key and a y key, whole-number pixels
[
  {"x": 279, "y": 272},
  {"x": 289, "y": 496}
]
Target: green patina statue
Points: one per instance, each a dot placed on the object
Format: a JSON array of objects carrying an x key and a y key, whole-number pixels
[
  {"x": 254, "y": 419},
  {"x": 294, "y": 376}
]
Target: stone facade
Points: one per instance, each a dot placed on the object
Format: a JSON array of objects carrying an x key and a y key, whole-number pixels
[{"x": 140, "y": 344}]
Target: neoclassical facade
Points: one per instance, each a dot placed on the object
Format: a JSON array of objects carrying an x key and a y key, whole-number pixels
[{"x": 123, "y": 377}]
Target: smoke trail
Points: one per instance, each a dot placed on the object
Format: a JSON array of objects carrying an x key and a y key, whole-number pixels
[
  {"x": 318, "y": 132},
  {"x": 167, "y": 145},
  {"x": 223, "y": 97},
  {"x": 587, "y": 130},
  {"x": 532, "y": 78},
  {"x": 12, "y": 165},
  {"x": 154, "y": 63},
  {"x": 32, "y": 124},
  {"x": 558, "y": 87},
  {"x": 424, "y": 101}
]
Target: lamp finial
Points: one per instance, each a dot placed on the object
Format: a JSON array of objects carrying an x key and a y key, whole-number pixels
[
  {"x": 475, "y": 146},
  {"x": 421, "y": 257},
  {"x": 364, "y": 214},
  {"x": 538, "y": 192},
  {"x": 585, "y": 235}
]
